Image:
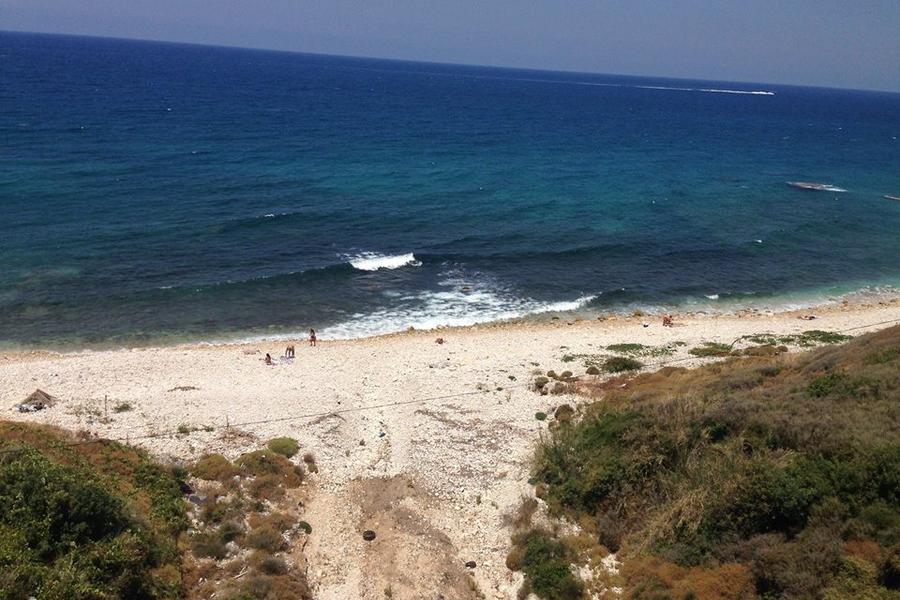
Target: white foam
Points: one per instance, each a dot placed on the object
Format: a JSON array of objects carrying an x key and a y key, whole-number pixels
[
  {"x": 451, "y": 308},
  {"x": 712, "y": 296},
  {"x": 371, "y": 261}
]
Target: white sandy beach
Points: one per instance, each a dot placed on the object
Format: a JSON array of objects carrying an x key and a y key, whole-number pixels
[{"x": 428, "y": 444}]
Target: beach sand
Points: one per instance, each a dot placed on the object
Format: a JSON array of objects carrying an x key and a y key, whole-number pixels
[{"x": 427, "y": 444}]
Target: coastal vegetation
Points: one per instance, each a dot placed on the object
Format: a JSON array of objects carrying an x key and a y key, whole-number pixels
[
  {"x": 618, "y": 364},
  {"x": 757, "y": 477},
  {"x": 83, "y": 518},
  {"x": 618, "y": 353},
  {"x": 711, "y": 349},
  {"x": 768, "y": 344},
  {"x": 284, "y": 446}
]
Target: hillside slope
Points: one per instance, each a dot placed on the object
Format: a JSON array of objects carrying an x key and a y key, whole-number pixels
[{"x": 755, "y": 477}]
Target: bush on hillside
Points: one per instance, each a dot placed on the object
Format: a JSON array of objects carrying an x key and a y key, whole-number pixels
[
  {"x": 545, "y": 563},
  {"x": 284, "y": 446},
  {"x": 214, "y": 467},
  {"x": 787, "y": 468},
  {"x": 85, "y": 521},
  {"x": 620, "y": 364}
]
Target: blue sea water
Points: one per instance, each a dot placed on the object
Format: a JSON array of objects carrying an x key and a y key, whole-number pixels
[{"x": 156, "y": 192}]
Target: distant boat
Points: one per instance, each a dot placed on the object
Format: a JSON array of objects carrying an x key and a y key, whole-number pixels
[
  {"x": 889, "y": 197},
  {"x": 816, "y": 187}
]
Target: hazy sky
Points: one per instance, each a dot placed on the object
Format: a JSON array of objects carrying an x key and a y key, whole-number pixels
[{"x": 843, "y": 43}]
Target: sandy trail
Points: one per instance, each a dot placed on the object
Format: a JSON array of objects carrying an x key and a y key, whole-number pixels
[{"x": 427, "y": 444}]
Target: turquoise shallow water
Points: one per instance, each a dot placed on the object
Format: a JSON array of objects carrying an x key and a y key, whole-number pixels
[{"x": 156, "y": 192}]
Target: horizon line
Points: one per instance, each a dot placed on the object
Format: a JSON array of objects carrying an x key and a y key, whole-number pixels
[{"x": 436, "y": 62}]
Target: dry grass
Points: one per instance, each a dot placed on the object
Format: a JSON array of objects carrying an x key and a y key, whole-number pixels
[
  {"x": 692, "y": 469},
  {"x": 65, "y": 505},
  {"x": 251, "y": 504},
  {"x": 214, "y": 467}
]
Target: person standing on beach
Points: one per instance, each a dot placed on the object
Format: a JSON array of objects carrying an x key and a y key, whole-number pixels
[{"x": 312, "y": 337}]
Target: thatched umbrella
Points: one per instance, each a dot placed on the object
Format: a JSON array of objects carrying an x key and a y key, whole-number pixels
[{"x": 38, "y": 400}]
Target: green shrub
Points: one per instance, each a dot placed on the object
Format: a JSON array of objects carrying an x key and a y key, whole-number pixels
[
  {"x": 583, "y": 465},
  {"x": 56, "y": 506},
  {"x": 784, "y": 470},
  {"x": 841, "y": 384},
  {"x": 855, "y": 578},
  {"x": 266, "y": 462},
  {"x": 764, "y": 350},
  {"x": 546, "y": 565},
  {"x": 619, "y": 364},
  {"x": 284, "y": 446},
  {"x": 711, "y": 349},
  {"x": 883, "y": 357},
  {"x": 86, "y": 521},
  {"x": 826, "y": 384},
  {"x": 812, "y": 337},
  {"x": 878, "y": 521},
  {"x": 817, "y": 336},
  {"x": 214, "y": 467},
  {"x": 639, "y": 350},
  {"x": 626, "y": 348}
]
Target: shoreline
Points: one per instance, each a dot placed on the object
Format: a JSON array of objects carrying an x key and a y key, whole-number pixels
[
  {"x": 438, "y": 434},
  {"x": 855, "y": 301}
]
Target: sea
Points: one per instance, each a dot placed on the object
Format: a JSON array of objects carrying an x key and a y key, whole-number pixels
[{"x": 156, "y": 193}]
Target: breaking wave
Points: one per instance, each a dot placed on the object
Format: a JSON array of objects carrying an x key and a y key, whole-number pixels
[
  {"x": 371, "y": 261},
  {"x": 456, "y": 308}
]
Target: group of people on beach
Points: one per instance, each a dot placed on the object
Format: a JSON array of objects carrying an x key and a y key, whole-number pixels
[{"x": 289, "y": 352}]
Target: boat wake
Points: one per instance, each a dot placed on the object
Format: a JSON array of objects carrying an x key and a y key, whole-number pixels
[
  {"x": 816, "y": 187},
  {"x": 707, "y": 90}
]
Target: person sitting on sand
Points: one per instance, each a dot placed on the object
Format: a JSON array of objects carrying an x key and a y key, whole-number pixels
[
  {"x": 289, "y": 351},
  {"x": 269, "y": 359},
  {"x": 312, "y": 337},
  {"x": 667, "y": 321}
]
